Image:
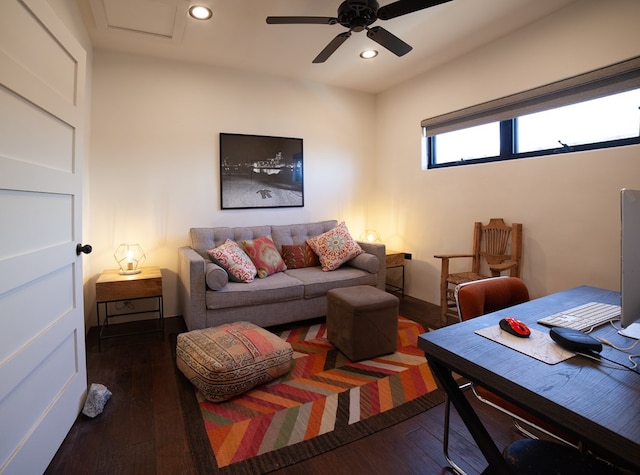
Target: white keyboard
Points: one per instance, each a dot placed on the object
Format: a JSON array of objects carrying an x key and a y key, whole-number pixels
[{"x": 583, "y": 317}]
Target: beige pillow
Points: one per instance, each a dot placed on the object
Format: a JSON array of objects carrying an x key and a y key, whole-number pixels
[
  {"x": 234, "y": 260},
  {"x": 334, "y": 247}
]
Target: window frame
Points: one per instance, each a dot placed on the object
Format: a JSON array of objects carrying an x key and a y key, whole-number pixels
[{"x": 619, "y": 77}]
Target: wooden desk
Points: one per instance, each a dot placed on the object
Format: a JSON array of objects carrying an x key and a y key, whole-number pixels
[
  {"x": 112, "y": 286},
  {"x": 595, "y": 402}
]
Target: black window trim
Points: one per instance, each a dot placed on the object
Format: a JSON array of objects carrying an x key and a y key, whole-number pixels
[
  {"x": 619, "y": 77},
  {"x": 536, "y": 153}
]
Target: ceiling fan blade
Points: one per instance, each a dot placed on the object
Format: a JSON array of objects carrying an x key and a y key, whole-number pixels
[
  {"x": 298, "y": 20},
  {"x": 388, "y": 40},
  {"x": 331, "y": 47},
  {"x": 402, "y": 7}
]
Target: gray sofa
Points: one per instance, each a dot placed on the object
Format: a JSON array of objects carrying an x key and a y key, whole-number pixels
[{"x": 295, "y": 294}]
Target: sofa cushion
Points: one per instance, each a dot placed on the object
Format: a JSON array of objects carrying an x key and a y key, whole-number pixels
[
  {"x": 234, "y": 260},
  {"x": 288, "y": 234},
  {"x": 215, "y": 276},
  {"x": 228, "y": 360},
  {"x": 335, "y": 247},
  {"x": 297, "y": 256},
  {"x": 317, "y": 282},
  {"x": 203, "y": 239},
  {"x": 264, "y": 255},
  {"x": 278, "y": 287}
]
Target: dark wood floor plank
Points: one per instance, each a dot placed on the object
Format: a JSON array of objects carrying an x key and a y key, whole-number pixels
[
  {"x": 406, "y": 454},
  {"x": 172, "y": 449},
  {"x": 142, "y": 429}
]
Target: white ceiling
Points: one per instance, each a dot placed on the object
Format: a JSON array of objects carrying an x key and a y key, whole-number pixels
[{"x": 238, "y": 37}]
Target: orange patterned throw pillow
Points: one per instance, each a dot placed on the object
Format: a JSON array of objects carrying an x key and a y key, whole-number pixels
[
  {"x": 297, "y": 256},
  {"x": 264, "y": 255},
  {"x": 335, "y": 247},
  {"x": 234, "y": 260}
]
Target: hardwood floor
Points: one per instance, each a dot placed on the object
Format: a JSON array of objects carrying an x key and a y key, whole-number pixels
[{"x": 142, "y": 430}]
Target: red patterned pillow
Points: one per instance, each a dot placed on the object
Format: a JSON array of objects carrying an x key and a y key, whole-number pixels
[
  {"x": 297, "y": 256},
  {"x": 264, "y": 255},
  {"x": 335, "y": 247},
  {"x": 234, "y": 260}
]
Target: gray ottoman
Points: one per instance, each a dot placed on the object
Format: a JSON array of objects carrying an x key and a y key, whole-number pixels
[{"x": 362, "y": 321}]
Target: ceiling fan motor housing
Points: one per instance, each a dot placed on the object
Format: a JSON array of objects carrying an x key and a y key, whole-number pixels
[{"x": 358, "y": 14}]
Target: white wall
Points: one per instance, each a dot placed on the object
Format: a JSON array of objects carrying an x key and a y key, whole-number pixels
[
  {"x": 569, "y": 204},
  {"x": 153, "y": 165},
  {"x": 154, "y": 155}
]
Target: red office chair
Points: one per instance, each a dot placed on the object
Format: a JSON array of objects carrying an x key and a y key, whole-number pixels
[{"x": 478, "y": 298}]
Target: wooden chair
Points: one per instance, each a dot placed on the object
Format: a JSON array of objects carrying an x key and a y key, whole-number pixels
[
  {"x": 497, "y": 248},
  {"x": 477, "y": 298}
]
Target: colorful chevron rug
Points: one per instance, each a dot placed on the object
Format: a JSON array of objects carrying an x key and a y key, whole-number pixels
[{"x": 325, "y": 401}]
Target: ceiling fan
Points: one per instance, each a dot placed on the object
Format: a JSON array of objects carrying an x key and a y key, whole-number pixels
[{"x": 358, "y": 15}]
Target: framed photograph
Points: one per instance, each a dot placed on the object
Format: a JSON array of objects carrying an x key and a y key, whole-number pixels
[{"x": 260, "y": 172}]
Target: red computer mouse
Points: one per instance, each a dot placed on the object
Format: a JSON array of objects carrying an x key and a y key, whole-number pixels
[{"x": 515, "y": 327}]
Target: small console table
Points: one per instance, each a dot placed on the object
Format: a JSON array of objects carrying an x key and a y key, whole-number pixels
[
  {"x": 112, "y": 286},
  {"x": 395, "y": 260}
]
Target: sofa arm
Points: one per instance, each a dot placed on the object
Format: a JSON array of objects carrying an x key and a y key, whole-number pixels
[
  {"x": 192, "y": 287},
  {"x": 379, "y": 251},
  {"x": 365, "y": 261}
]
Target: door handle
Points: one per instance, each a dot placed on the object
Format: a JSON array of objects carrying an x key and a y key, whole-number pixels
[{"x": 86, "y": 249}]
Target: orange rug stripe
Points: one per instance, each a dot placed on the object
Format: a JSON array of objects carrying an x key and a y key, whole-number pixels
[{"x": 322, "y": 391}]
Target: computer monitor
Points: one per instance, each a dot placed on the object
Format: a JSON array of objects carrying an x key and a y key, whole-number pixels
[{"x": 630, "y": 262}]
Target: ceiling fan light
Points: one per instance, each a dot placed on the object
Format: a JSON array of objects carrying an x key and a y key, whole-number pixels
[
  {"x": 368, "y": 54},
  {"x": 200, "y": 12}
]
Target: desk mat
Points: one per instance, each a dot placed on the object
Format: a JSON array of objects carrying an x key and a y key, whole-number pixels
[{"x": 539, "y": 345}]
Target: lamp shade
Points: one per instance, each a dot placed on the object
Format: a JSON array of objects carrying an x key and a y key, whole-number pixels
[
  {"x": 130, "y": 258},
  {"x": 371, "y": 235}
]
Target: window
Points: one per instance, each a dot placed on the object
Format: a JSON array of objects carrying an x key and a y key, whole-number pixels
[
  {"x": 595, "y": 110},
  {"x": 606, "y": 119},
  {"x": 480, "y": 141}
]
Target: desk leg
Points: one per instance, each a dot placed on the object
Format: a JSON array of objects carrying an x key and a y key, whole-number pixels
[{"x": 497, "y": 465}]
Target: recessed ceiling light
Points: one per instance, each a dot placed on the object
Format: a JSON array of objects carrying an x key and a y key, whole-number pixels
[
  {"x": 200, "y": 12},
  {"x": 368, "y": 54}
]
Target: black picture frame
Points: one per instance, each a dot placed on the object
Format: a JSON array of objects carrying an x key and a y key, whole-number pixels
[{"x": 258, "y": 171}]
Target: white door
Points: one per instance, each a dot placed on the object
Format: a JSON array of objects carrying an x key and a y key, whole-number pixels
[{"x": 42, "y": 351}]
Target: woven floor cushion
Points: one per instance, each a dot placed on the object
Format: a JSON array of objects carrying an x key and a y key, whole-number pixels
[{"x": 228, "y": 360}]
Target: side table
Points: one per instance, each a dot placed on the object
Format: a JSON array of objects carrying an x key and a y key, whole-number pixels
[
  {"x": 395, "y": 260},
  {"x": 112, "y": 286}
]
